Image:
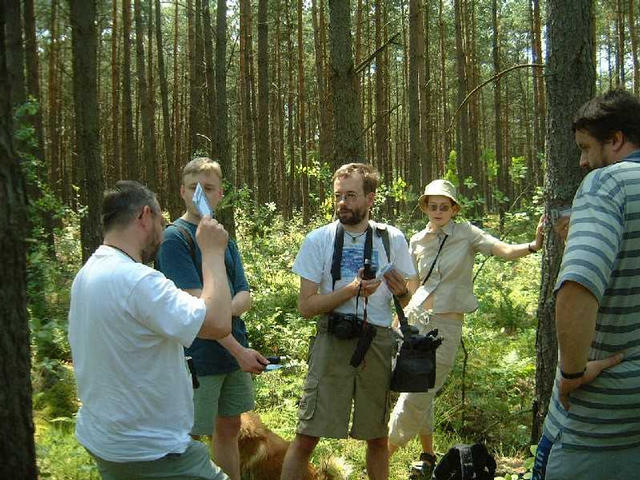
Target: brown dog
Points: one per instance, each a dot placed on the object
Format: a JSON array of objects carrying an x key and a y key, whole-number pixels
[{"x": 262, "y": 453}]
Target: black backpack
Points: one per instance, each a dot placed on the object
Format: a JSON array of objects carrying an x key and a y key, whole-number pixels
[{"x": 466, "y": 462}]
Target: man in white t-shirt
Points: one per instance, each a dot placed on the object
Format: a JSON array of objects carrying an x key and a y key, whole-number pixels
[
  {"x": 331, "y": 268},
  {"x": 128, "y": 325}
]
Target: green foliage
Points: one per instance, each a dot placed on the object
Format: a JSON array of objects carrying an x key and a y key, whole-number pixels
[
  {"x": 518, "y": 169},
  {"x": 58, "y": 453},
  {"x": 451, "y": 172}
]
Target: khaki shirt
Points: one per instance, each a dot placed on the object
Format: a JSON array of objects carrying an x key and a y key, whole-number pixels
[{"x": 450, "y": 286}]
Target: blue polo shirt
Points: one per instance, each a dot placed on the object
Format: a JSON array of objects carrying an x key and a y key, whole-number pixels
[{"x": 175, "y": 261}]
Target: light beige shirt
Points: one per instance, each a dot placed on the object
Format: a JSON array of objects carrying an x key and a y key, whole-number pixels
[{"x": 450, "y": 286}]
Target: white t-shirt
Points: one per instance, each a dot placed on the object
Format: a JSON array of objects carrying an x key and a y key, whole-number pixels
[
  {"x": 127, "y": 328},
  {"x": 315, "y": 257}
]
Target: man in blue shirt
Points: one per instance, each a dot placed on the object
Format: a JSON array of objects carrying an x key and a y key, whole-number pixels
[{"x": 223, "y": 366}]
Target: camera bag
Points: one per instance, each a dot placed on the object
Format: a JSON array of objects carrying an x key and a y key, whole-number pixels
[{"x": 415, "y": 369}]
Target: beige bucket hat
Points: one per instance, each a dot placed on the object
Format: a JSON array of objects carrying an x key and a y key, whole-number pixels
[{"x": 438, "y": 187}]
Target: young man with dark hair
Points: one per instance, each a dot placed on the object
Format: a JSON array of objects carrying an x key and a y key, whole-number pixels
[
  {"x": 222, "y": 365},
  {"x": 593, "y": 422},
  {"x": 128, "y": 325},
  {"x": 334, "y": 290}
]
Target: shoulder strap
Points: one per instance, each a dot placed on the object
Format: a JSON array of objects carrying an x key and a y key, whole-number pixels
[
  {"x": 338, "y": 244},
  {"x": 190, "y": 242},
  {"x": 187, "y": 236},
  {"x": 433, "y": 264},
  {"x": 383, "y": 233}
]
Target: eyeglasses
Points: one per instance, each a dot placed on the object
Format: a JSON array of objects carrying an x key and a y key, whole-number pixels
[
  {"x": 434, "y": 207},
  {"x": 347, "y": 197}
]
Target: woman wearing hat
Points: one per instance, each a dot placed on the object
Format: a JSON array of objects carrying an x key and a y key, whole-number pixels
[{"x": 443, "y": 254}]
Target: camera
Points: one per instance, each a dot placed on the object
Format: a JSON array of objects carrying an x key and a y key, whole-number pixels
[
  {"x": 369, "y": 271},
  {"x": 556, "y": 213},
  {"x": 344, "y": 325}
]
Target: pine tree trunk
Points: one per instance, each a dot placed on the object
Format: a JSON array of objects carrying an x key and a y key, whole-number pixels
[
  {"x": 446, "y": 140},
  {"x": 113, "y": 172},
  {"x": 173, "y": 202},
  {"x": 85, "y": 96},
  {"x": 324, "y": 99},
  {"x": 620, "y": 47},
  {"x": 415, "y": 61},
  {"x": 53, "y": 126},
  {"x": 633, "y": 33},
  {"x": 347, "y": 119},
  {"x": 463, "y": 138},
  {"x": 262, "y": 144},
  {"x": 381, "y": 106},
  {"x": 570, "y": 81},
  {"x": 15, "y": 53},
  {"x": 288, "y": 210},
  {"x": 304, "y": 178},
  {"x": 210, "y": 94},
  {"x": 497, "y": 110},
  {"x": 226, "y": 216},
  {"x": 146, "y": 111},
  {"x": 17, "y": 448},
  {"x": 129, "y": 149}
]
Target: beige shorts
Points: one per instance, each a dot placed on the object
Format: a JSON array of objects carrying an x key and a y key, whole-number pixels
[{"x": 334, "y": 388}]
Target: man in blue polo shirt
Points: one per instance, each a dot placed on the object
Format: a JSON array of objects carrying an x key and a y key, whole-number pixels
[
  {"x": 594, "y": 413},
  {"x": 223, "y": 366}
]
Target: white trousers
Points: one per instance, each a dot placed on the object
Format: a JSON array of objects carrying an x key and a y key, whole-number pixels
[{"x": 413, "y": 414}]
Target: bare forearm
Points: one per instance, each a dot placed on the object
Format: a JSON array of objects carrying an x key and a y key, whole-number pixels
[
  {"x": 576, "y": 312},
  {"x": 513, "y": 252},
  {"x": 319, "y": 304},
  {"x": 240, "y": 303},
  {"x": 217, "y": 297},
  {"x": 231, "y": 344}
]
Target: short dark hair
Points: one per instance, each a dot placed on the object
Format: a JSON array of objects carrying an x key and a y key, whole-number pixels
[
  {"x": 369, "y": 175},
  {"x": 615, "y": 111},
  {"x": 123, "y": 202}
]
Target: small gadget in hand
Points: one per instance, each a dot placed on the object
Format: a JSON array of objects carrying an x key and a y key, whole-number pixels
[
  {"x": 201, "y": 202},
  {"x": 369, "y": 272},
  {"x": 557, "y": 213},
  {"x": 275, "y": 363}
]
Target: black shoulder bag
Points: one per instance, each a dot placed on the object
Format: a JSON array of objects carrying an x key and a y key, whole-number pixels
[{"x": 415, "y": 369}]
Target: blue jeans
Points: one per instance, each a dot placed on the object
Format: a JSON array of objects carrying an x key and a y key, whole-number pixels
[{"x": 542, "y": 456}]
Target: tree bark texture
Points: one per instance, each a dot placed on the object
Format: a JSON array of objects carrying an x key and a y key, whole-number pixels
[
  {"x": 17, "y": 448},
  {"x": 262, "y": 140},
  {"x": 347, "y": 119},
  {"x": 84, "y": 40},
  {"x": 570, "y": 81}
]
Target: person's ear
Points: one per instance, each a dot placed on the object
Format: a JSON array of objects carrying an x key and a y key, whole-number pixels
[
  {"x": 456, "y": 209},
  {"x": 617, "y": 140},
  {"x": 371, "y": 196}
]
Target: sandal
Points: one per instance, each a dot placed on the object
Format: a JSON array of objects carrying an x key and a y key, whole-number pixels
[{"x": 422, "y": 469}]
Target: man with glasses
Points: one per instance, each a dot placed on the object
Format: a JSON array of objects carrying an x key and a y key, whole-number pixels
[
  {"x": 128, "y": 325},
  {"x": 335, "y": 291}
]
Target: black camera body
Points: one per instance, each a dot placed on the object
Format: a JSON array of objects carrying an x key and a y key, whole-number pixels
[{"x": 344, "y": 326}]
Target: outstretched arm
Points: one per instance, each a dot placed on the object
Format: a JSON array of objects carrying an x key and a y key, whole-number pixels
[{"x": 513, "y": 251}]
